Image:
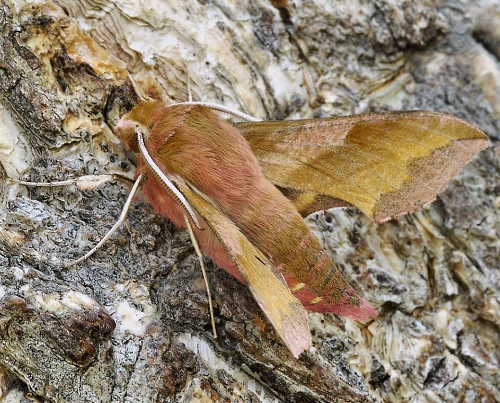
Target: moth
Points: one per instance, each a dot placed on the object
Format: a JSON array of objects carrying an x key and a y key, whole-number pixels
[{"x": 245, "y": 188}]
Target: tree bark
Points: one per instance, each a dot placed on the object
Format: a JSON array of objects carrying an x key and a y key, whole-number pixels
[{"x": 131, "y": 323}]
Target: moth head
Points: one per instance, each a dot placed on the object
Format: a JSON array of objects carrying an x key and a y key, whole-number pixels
[{"x": 140, "y": 118}]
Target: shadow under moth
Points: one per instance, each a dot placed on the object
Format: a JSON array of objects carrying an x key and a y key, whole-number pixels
[{"x": 244, "y": 188}]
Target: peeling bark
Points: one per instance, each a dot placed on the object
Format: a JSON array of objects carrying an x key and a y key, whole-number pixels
[{"x": 132, "y": 323}]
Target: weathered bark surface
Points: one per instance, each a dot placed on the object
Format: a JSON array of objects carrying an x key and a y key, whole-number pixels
[{"x": 131, "y": 323}]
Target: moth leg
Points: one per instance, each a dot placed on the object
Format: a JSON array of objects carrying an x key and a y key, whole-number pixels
[
  {"x": 123, "y": 215},
  {"x": 84, "y": 183},
  {"x": 200, "y": 257}
]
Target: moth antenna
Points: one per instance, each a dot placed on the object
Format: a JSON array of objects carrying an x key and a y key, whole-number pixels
[
  {"x": 138, "y": 91},
  {"x": 205, "y": 277},
  {"x": 223, "y": 109},
  {"x": 165, "y": 180},
  {"x": 123, "y": 215},
  {"x": 214, "y": 106},
  {"x": 188, "y": 83}
]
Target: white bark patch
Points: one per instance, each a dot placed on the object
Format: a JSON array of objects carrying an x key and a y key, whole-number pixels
[
  {"x": 58, "y": 304},
  {"x": 448, "y": 326},
  {"x": 15, "y": 154},
  {"x": 18, "y": 273},
  {"x": 133, "y": 312},
  {"x": 129, "y": 319},
  {"x": 205, "y": 352}
]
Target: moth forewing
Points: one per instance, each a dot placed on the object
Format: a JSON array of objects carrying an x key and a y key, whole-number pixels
[
  {"x": 286, "y": 314},
  {"x": 386, "y": 164}
]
